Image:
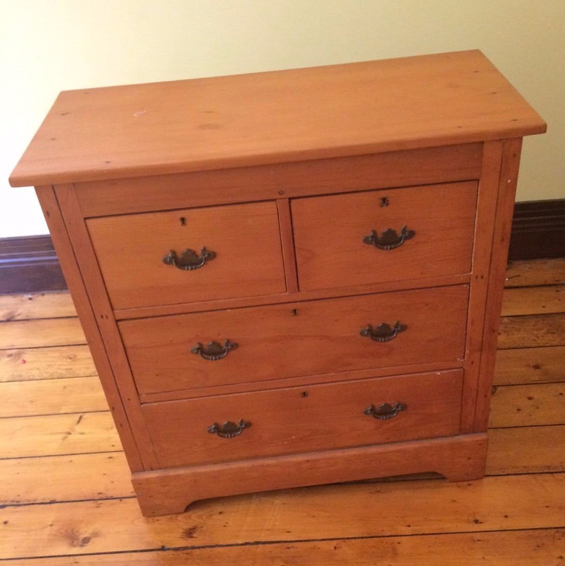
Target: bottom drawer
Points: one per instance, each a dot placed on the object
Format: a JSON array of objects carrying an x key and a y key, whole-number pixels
[{"x": 305, "y": 419}]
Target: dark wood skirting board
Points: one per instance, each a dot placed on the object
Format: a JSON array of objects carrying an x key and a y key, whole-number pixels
[
  {"x": 538, "y": 230},
  {"x": 29, "y": 264}
]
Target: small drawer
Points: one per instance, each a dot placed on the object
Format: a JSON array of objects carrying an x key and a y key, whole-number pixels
[
  {"x": 386, "y": 235},
  {"x": 255, "y": 344},
  {"x": 142, "y": 264},
  {"x": 305, "y": 419}
]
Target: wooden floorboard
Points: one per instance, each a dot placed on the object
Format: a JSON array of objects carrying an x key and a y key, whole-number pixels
[
  {"x": 41, "y": 332},
  {"x": 530, "y": 365},
  {"x": 36, "y": 305},
  {"x": 106, "y": 475},
  {"x": 46, "y": 363},
  {"x": 52, "y": 397},
  {"x": 533, "y": 300},
  {"x": 535, "y": 272},
  {"x": 65, "y": 491},
  {"x": 510, "y": 548},
  {"x": 403, "y": 508},
  {"x": 25, "y": 437},
  {"x": 526, "y": 405},
  {"x": 534, "y": 331}
]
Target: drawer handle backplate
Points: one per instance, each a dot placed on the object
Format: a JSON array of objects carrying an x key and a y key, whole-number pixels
[
  {"x": 213, "y": 350},
  {"x": 229, "y": 429},
  {"x": 389, "y": 239},
  {"x": 385, "y": 411},
  {"x": 189, "y": 260},
  {"x": 383, "y": 332}
]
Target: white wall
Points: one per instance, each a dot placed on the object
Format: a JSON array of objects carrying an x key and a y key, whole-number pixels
[{"x": 51, "y": 45}]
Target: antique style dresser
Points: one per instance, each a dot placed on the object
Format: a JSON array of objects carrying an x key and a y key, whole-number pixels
[{"x": 289, "y": 278}]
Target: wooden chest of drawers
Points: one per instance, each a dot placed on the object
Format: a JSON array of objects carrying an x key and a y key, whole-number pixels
[{"x": 289, "y": 278}]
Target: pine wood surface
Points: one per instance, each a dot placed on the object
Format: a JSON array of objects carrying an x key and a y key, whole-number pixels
[
  {"x": 46, "y": 363},
  {"x": 321, "y": 112},
  {"x": 65, "y": 488},
  {"x": 136, "y": 276},
  {"x": 532, "y": 547}
]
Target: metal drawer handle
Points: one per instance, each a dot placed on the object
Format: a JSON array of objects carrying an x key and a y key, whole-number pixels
[
  {"x": 383, "y": 332},
  {"x": 189, "y": 260},
  {"x": 389, "y": 239},
  {"x": 385, "y": 411},
  {"x": 213, "y": 350},
  {"x": 229, "y": 429}
]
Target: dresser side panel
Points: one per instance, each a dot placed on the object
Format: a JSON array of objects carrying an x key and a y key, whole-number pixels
[
  {"x": 95, "y": 287},
  {"x": 87, "y": 317},
  {"x": 501, "y": 243},
  {"x": 484, "y": 230}
]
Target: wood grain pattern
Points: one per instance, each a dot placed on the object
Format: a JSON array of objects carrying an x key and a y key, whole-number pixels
[
  {"x": 52, "y": 397},
  {"x": 139, "y": 130},
  {"x": 305, "y": 419},
  {"x": 526, "y": 450},
  {"x": 532, "y": 331},
  {"x": 540, "y": 300},
  {"x": 496, "y": 503},
  {"x": 59, "y": 230},
  {"x": 46, "y": 363},
  {"x": 535, "y": 272},
  {"x": 106, "y": 475},
  {"x": 522, "y": 405},
  {"x": 58, "y": 434},
  {"x": 296, "y": 339},
  {"x": 245, "y": 239},
  {"x": 329, "y": 234},
  {"x": 70, "y": 478},
  {"x": 532, "y": 547},
  {"x": 283, "y": 180},
  {"x": 458, "y": 458},
  {"x": 221, "y": 304},
  {"x": 501, "y": 239},
  {"x": 482, "y": 251},
  {"x": 108, "y": 351},
  {"x": 36, "y": 305},
  {"x": 530, "y": 365},
  {"x": 41, "y": 333}
]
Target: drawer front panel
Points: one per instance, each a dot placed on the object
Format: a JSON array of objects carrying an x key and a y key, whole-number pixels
[
  {"x": 304, "y": 419},
  {"x": 342, "y": 240},
  {"x": 296, "y": 339},
  {"x": 246, "y": 256}
]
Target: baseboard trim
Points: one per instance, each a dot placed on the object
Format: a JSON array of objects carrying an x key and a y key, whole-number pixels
[
  {"x": 538, "y": 230},
  {"x": 29, "y": 264}
]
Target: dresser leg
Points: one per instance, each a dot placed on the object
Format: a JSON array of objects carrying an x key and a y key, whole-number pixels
[
  {"x": 472, "y": 467},
  {"x": 155, "y": 504}
]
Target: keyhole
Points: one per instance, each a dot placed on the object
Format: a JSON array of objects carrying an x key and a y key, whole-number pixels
[
  {"x": 182, "y": 221},
  {"x": 384, "y": 201},
  {"x": 304, "y": 394},
  {"x": 294, "y": 312}
]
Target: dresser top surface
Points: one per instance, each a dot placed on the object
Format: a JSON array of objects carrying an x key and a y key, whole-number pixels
[{"x": 274, "y": 117}]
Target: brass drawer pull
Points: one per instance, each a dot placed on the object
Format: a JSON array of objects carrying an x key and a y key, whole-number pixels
[
  {"x": 229, "y": 429},
  {"x": 389, "y": 239},
  {"x": 383, "y": 332},
  {"x": 189, "y": 260},
  {"x": 385, "y": 411},
  {"x": 213, "y": 350}
]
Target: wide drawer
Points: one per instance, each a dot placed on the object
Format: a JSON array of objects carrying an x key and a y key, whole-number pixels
[
  {"x": 304, "y": 419},
  {"x": 386, "y": 235},
  {"x": 297, "y": 339},
  {"x": 243, "y": 254}
]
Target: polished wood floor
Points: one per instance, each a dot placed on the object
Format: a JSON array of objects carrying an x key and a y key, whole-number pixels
[{"x": 66, "y": 497}]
